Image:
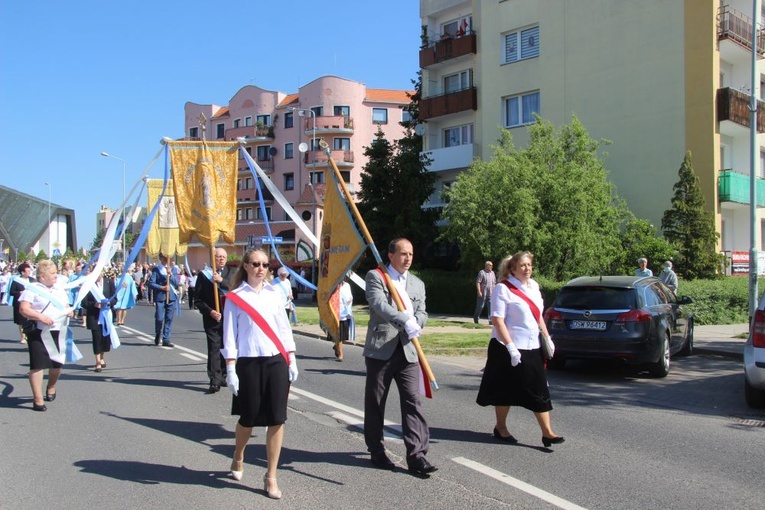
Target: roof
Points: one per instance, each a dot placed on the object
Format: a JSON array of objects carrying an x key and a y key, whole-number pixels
[
  {"x": 221, "y": 113},
  {"x": 288, "y": 100},
  {"x": 307, "y": 199},
  {"x": 610, "y": 281},
  {"x": 389, "y": 95},
  {"x": 24, "y": 218}
]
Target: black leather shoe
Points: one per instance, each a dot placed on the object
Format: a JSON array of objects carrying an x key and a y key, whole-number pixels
[
  {"x": 168, "y": 344},
  {"x": 549, "y": 441},
  {"x": 421, "y": 467},
  {"x": 214, "y": 388},
  {"x": 383, "y": 462},
  {"x": 41, "y": 408},
  {"x": 507, "y": 439},
  {"x": 224, "y": 384},
  {"x": 156, "y": 340}
]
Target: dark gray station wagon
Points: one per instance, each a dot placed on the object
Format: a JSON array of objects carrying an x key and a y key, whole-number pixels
[{"x": 631, "y": 318}]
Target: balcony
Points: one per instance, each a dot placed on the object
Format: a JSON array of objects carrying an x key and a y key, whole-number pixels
[
  {"x": 329, "y": 124},
  {"x": 447, "y": 49},
  {"x": 452, "y": 102},
  {"x": 734, "y": 187},
  {"x": 733, "y": 106},
  {"x": 317, "y": 159},
  {"x": 735, "y": 28},
  {"x": 451, "y": 158},
  {"x": 253, "y": 133}
]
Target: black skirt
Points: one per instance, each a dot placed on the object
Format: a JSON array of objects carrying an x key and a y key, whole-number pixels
[
  {"x": 38, "y": 354},
  {"x": 263, "y": 391},
  {"x": 101, "y": 343},
  {"x": 523, "y": 385}
]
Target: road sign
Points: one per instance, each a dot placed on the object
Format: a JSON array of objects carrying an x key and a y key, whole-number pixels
[
  {"x": 56, "y": 252},
  {"x": 273, "y": 240}
]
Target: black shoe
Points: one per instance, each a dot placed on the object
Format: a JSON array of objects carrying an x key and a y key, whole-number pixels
[
  {"x": 421, "y": 467},
  {"x": 549, "y": 441},
  {"x": 214, "y": 388},
  {"x": 41, "y": 408},
  {"x": 49, "y": 397},
  {"x": 507, "y": 439},
  {"x": 168, "y": 344},
  {"x": 224, "y": 384},
  {"x": 382, "y": 461},
  {"x": 156, "y": 340}
]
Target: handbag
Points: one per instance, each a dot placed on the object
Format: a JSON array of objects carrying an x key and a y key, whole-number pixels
[{"x": 548, "y": 347}]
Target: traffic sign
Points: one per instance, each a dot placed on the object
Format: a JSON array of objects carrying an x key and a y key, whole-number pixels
[{"x": 273, "y": 240}]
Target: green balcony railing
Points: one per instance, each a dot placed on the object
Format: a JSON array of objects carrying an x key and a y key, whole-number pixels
[{"x": 734, "y": 187}]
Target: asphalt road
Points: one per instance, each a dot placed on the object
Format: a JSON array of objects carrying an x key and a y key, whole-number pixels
[{"x": 142, "y": 434}]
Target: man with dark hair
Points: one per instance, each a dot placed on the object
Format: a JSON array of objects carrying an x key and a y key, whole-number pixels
[{"x": 163, "y": 283}]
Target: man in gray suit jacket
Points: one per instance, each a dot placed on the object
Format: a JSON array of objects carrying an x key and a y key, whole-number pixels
[{"x": 390, "y": 356}]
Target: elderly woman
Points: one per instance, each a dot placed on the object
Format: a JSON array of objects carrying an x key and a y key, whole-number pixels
[
  {"x": 668, "y": 276},
  {"x": 47, "y": 305},
  {"x": 93, "y": 306},
  {"x": 260, "y": 361},
  {"x": 515, "y": 372},
  {"x": 18, "y": 284}
]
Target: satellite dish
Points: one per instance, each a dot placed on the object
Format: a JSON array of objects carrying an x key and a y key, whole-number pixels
[
  {"x": 419, "y": 129},
  {"x": 303, "y": 147},
  {"x": 272, "y": 151}
]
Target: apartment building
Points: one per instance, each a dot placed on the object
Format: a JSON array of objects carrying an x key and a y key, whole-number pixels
[
  {"x": 654, "y": 77},
  {"x": 282, "y": 132}
]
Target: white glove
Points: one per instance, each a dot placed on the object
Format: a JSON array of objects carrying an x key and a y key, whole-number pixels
[
  {"x": 293, "y": 369},
  {"x": 515, "y": 355},
  {"x": 413, "y": 329},
  {"x": 232, "y": 379}
]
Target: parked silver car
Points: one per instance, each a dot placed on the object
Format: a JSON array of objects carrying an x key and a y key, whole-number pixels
[{"x": 754, "y": 361}]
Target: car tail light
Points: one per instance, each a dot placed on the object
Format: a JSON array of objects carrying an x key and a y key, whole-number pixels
[
  {"x": 554, "y": 318},
  {"x": 758, "y": 331},
  {"x": 634, "y": 316}
]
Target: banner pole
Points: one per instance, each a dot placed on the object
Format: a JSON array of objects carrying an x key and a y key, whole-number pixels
[{"x": 215, "y": 284}]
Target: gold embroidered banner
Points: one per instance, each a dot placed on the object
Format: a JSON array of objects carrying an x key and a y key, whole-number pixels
[
  {"x": 341, "y": 247},
  {"x": 163, "y": 234},
  {"x": 204, "y": 181}
]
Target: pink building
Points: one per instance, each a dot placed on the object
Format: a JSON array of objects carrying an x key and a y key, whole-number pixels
[{"x": 344, "y": 113}]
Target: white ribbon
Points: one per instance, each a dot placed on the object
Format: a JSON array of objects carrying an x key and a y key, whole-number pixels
[{"x": 106, "y": 317}]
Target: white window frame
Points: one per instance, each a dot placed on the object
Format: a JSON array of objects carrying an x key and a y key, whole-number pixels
[
  {"x": 237, "y": 123},
  {"x": 506, "y": 104},
  {"x": 248, "y": 121},
  {"x": 291, "y": 117},
  {"x": 289, "y": 181},
  {"x": 258, "y": 214},
  {"x": 521, "y": 45},
  {"x": 464, "y": 80},
  {"x": 248, "y": 183},
  {"x": 220, "y": 130},
  {"x": 460, "y": 135},
  {"x": 317, "y": 177},
  {"x": 377, "y": 112},
  {"x": 264, "y": 119},
  {"x": 289, "y": 154},
  {"x": 338, "y": 145}
]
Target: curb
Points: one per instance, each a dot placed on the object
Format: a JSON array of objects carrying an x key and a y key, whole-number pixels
[{"x": 738, "y": 356}]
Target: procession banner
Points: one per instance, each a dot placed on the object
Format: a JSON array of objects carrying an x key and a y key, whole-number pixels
[
  {"x": 163, "y": 236},
  {"x": 204, "y": 181}
]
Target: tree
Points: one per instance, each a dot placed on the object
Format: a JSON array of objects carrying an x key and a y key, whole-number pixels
[
  {"x": 690, "y": 227},
  {"x": 395, "y": 184},
  {"x": 640, "y": 239},
  {"x": 553, "y": 198}
]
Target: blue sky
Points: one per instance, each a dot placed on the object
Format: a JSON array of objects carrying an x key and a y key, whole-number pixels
[{"x": 82, "y": 77}]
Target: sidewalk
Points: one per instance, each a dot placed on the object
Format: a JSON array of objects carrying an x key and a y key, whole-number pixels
[{"x": 724, "y": 340}]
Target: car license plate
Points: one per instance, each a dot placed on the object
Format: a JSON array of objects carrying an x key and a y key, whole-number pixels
[{"x": 592, "y": 325}]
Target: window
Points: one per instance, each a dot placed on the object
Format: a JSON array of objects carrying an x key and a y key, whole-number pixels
[
  {"x": 260, "y": 214},
  {"x": 220, "y": 130},
  {"x": 263, "y": 154},
  {"x": 315, "y": 144},
  {"x": 248, "y": 213},
  {"x": 458, "y": 27},
  {"x": 238, "y": 184},
  {"x": 345, "y": 111},
  {"x": 237, "y": 122},
  {"x": 446, "y": 186},
  {"x": 289, "y": 181},
  {"x": 520, "y": 110},
  {"x": 239, "y": 214},
  {"x": 522, "y": 45},
  {"x": 317, "y": 177},
  {"x": 761, "y": 170},
  {"x": 289, "y": 150},
  {"x": 248, "y": 150},
  {"x": 248, "y": 183},
  {"x": 318, "y": 111},
  {"x": 379, "y": 115},
  {"x": 289, "y": 120},
  {"x": 194, "y": 132},
  {"x": 341, "y": 144},
  {"x": 406, "y": 116},
  {"x": 457, "y": 82},
  {"x": 263, "y": 120},
  {"x": 458, "y": 135},
  {"x": 346, "y": 175},
  {"x": 248, "y": 121}
]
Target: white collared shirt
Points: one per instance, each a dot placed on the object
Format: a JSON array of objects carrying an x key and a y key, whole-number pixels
[
  {"x": 399, "y": 281},
  {"x": 242, "y": 338},
  {"x": 520, "y": 322}
]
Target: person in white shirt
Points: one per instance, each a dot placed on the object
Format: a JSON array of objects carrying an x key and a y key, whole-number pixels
[
  {"x": 258, "y": 374},
  {"x": 346, "y": 316},
  {"x": 284, "y": 287}
]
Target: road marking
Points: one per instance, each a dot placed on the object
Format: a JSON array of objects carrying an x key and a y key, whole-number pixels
[
  {"x": 189, "y": 356},
  {"x": 342, "y": 407},
  {"x": 354, "y": 422},
  {"x": 518, "y": 484},
  {"x": 192, "y": 354}
]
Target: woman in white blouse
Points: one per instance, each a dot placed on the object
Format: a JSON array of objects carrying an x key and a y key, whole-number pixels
[
  {"x": 257, "y": 373},
  {"x": 515, "y": 372}
]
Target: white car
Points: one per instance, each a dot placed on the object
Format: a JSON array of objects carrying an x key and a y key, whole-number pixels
[{"x": 754, "y": 361}]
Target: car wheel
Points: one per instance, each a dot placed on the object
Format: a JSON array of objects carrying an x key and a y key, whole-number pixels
[
  {"x": 556, "y": 363},
  {"x": 661, "y": 367},
  {"x": 754, "y": 397},
  {"x": 687, "y": 349}
]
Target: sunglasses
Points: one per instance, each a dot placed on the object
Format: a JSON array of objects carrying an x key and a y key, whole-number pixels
[{"x": 258, "y": 264}]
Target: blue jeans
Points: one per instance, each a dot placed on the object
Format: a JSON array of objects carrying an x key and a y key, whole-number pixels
[
  {"x": 164, "y": 316},
  {"x": 481, "y": 303}
]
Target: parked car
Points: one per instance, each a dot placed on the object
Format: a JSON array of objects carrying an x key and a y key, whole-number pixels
[
  {"x": 631, "y": 318},
  {"x": 754, "y": 361}
]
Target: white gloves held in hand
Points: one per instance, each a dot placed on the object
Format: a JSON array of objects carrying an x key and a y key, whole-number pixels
[
  {"x": 232, "y": 379},
  {"x": 413, "y": 329},
  {"x": 293, "y": 369},
  {"x": 515, "y": 354}
]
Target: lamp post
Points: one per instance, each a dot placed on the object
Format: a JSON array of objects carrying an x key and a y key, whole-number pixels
[
  {"x": 50, "y": 240},
  {"x": 301, "y": 112},
  {"x": 124, "y": 225}
]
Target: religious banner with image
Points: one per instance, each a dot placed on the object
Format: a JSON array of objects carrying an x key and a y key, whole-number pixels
[{"x": 163, "y": 235}]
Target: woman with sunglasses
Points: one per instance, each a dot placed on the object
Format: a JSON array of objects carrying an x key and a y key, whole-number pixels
[{"x": 258, "y": 374}]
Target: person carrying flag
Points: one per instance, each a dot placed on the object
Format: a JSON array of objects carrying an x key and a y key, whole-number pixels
[
  {"x": 163, "y": 283},
  {"x": 391, "y": 356}
]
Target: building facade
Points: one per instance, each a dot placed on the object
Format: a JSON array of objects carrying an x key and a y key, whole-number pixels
[
  {"x": 656, "y": 78},
  {"x": 282, "y": 132}
]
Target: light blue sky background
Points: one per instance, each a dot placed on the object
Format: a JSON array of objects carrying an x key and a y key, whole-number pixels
[{"x": 82, "y": 77}]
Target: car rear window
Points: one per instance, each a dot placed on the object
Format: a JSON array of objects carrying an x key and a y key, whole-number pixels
[{"x": 596, "y": 298}]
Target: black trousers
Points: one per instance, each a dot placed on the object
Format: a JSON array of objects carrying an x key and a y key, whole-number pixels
[{"x": 216, "y": 363}]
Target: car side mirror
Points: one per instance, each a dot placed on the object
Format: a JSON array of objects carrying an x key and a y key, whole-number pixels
[{"x": 685, "y": 300}]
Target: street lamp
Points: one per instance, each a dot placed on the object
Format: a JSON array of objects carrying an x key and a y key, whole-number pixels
[
  {"x": 124, "y": 225},
  {"x": 301, "y": 112},
  {"x": 50, "y": 238}
]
